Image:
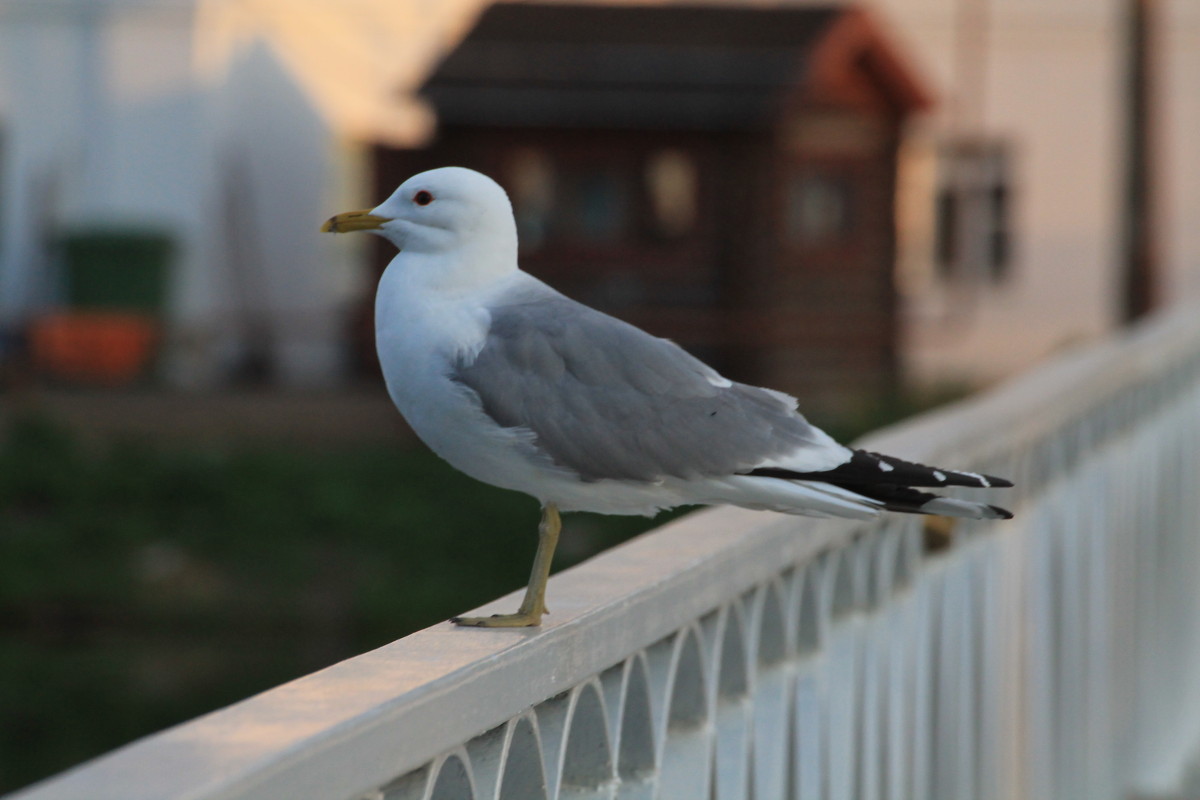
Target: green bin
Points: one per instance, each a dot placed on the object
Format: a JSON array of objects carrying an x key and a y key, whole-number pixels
[{"x": 115, "y": 270}]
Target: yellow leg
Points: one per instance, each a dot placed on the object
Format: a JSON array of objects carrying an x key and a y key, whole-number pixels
[{"x": 534, "y": 604}]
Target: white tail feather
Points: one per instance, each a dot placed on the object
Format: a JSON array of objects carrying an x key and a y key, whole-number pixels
[
  {"x": 950, "y": 507},
  {"x": 809, "y": 498}
]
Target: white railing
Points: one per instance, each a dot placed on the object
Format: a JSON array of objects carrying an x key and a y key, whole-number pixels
[{"x": 735, "y": 654}]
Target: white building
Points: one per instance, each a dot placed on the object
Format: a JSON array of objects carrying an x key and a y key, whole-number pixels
[{"x": 1043, "y": 80}]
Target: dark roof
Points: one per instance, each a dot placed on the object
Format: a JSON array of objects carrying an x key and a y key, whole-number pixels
[{"x": 609, "y": 66}]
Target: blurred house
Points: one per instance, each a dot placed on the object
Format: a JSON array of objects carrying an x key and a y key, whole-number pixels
[
  {"x": 231, "y": 128},
  {"x": 721, "y": 176},
  {"x": 235, "y": 126}
]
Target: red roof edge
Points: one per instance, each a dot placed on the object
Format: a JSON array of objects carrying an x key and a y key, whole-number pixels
[{"x": 857, "y": 35}]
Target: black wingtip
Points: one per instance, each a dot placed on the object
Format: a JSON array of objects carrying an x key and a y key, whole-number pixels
[
  {"x": 1002, "y": 513},
  {"x": 866, "y": 468}
]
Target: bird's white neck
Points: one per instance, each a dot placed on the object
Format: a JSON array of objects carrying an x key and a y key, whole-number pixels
[
  {"x": 456, "y": 269},
  {"x": 434, "y": 293}
]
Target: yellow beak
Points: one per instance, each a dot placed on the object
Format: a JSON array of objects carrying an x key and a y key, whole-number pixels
[{"x": 353, "y": 221}]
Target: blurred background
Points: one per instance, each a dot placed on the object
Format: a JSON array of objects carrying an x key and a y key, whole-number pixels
[{"x": 204, "y": 490}]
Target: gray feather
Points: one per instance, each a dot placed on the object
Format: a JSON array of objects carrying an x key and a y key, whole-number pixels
[{"x": 608, "y": 400}]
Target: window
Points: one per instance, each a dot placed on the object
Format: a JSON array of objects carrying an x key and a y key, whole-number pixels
[
  {"x": 973, "y": 214},
  {"x": 531, "y": 179},
  {"x": 603, "y": 197},
  {"x": 818, "y": 208},
  {"x": 672, "y": 184},
  {"x": 595, "y": 205},
  {"x": 559, "y": 200}
]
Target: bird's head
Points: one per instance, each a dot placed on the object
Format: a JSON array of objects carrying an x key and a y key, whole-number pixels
[{"x": 445, "y": 210}]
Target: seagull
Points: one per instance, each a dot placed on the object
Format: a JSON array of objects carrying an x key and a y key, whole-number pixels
[{"x": 519, "y": 386}]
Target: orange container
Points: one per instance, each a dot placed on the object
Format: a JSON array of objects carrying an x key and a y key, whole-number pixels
[{"x": 108, "y": 348}]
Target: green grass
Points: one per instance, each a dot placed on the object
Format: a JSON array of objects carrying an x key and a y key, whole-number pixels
[{"x": 141, "y": 585}]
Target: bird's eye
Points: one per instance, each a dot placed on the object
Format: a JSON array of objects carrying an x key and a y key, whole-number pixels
[{"x": 422, "y": 198}]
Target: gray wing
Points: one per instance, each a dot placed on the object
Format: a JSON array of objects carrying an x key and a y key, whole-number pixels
[{"x": 608, "y": 400}]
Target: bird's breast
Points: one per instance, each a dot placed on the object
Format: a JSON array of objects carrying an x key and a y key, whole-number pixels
[{"x": 420, "y": 336}]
